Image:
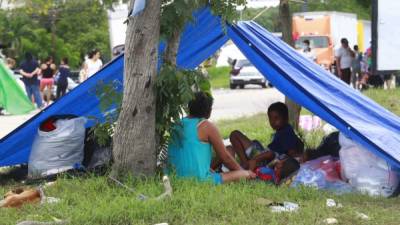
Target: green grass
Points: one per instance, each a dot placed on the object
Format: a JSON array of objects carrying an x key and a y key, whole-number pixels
[
  {"x": 219, "y": 77},
  {"x": 390, "y": 99},
  {"x": 95, "y": 200}
]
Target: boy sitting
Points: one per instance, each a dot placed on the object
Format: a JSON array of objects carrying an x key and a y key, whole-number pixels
[{"x": 284, "y": 142}]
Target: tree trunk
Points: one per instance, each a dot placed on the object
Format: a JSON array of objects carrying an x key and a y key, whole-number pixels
[
  {"x": 134, "y": 141},
  {"x": 286, "y": 23}
]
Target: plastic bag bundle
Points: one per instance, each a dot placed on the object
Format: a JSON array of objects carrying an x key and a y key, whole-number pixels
[
  {"x": 58, "y": 150},
  {"x": 322, "y": 173},
  {"x": 365, "y": 171}
]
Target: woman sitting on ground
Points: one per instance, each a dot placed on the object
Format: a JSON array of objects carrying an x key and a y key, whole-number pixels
[{"x": 190, "y": 149}]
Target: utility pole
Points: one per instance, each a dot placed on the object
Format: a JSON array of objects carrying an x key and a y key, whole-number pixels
[
  {"x": 53, "y": 18},
  {"x": 53, "y": 14},
  {"x": 305, "y": 6}
]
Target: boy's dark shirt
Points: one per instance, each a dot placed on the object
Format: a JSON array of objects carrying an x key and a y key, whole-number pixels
[
  {"x": 29, "y": 67},
  {"x": 284, "y": 140}
]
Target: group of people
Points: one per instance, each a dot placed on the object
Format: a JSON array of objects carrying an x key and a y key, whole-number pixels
[
  {"x": 39, "y": 78},
  {"x": 352, "y": 65},
  {"x": 194, "y": 138}
]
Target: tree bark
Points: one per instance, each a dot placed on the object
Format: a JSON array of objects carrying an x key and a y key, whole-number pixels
[
  {"x": 286, "y": 23},
  {"x": 172, "y": 48},
  {"x": 134, "y": 140}
]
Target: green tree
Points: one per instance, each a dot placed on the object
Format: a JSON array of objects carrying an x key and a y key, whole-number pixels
[
  {"x": 268, "y": 18},
  {"x": 61, "y": 28},
  {"x": 360, "y": 7},
  {"x": 136, "y": 139}
]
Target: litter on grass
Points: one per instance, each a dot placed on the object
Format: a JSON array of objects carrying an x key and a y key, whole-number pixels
[
  {"x": 331, "y": 221},
  {"x": 330, "y": 203},
  {"x": 362, "y": 216},
  {"x": 284, "y": 207}
]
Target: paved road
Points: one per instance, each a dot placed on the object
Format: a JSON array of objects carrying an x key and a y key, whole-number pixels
[
  {"x": 228, "y": 104},
  {"x": 9, "y": 123}
]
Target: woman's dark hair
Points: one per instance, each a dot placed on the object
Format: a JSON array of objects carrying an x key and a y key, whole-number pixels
[
  {"x": 201, "y": 105},
  {"x": 28, "y": 56},
  {"x": 344, "y": 41},
  {"x": 49, "y": 58},
  {"x": 93, "y": 53},
  {"x": 65, "y": 60},
  {"x": 306, "y": 42},
  {"x": 280, "y": 108}
]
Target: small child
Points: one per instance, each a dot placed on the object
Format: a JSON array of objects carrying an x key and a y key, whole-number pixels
[
  {"x": 280, "y": 171},
  {"x": 284, "y": 142}
]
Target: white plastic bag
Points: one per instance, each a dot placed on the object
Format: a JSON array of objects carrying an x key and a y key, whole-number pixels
[
  {"x": 365, "y": 171},
  {"x": 58, "y": 150}
]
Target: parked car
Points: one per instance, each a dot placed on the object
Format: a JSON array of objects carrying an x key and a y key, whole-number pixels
[{"x": 243, "y": 73}]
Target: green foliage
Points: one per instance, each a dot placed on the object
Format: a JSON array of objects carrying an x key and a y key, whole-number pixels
[
  {"x": 270, "y": 18},
  {"x": 360, "y": 7},
  {"x": 110, "y": 96},
  {"x": 80, "y": 26},
  {"x": 97, "y": 200},
  {"x": 174, "y": 89},
  {"x": 390, "y": 99}
]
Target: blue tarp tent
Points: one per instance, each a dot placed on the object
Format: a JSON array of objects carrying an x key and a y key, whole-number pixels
[{"x": 361, "y": 119}]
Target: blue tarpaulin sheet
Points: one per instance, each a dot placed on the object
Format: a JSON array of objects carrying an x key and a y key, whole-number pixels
[{"x": 361, "y": 119}]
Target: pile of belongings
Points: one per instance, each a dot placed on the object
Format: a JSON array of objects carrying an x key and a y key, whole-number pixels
[{"x": 356, "y": 169}]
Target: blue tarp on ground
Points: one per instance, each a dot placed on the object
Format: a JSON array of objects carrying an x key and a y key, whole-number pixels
[{"x": 303, "y": 81}]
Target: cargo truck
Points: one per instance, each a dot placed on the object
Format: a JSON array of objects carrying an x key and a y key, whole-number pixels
[{"x": 324, "y": 30}]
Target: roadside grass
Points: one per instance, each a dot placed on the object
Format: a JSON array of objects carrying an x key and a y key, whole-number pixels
[
  {"x": 95, "y": 200},
  {"x": 219, "y": 77},
  {"x": 390, "y": 99}
]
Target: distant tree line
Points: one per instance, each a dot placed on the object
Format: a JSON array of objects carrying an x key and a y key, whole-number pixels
[
  {"x": 56, "y": 28},
  {"x": 270, "y": 18}
]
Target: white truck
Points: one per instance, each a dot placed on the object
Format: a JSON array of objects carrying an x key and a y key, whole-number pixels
[
  {"x": 117, "y": 27},
  {"x": 324, "y": 30}
]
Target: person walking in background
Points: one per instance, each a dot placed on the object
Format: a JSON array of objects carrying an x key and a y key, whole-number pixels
[
  {"x": 46, "y": 83},
  {"x": 30, "y": 71},
  {"x": 92, "y": 64},
  {"x": 308, "y": 52},
  {"x": 344, "y": 57},
  {"x": 62, "y": 77},
  {"x": 356, "y": 67}
]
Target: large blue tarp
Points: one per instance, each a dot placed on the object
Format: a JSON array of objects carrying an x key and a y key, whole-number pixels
[
  {"x": 308, "y": 84},
  {"x": 303, "y": 81},
  {"x": 199, "y": 41}
]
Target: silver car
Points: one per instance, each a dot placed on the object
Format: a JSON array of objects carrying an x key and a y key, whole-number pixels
[{"x": 244, "y": 73}]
